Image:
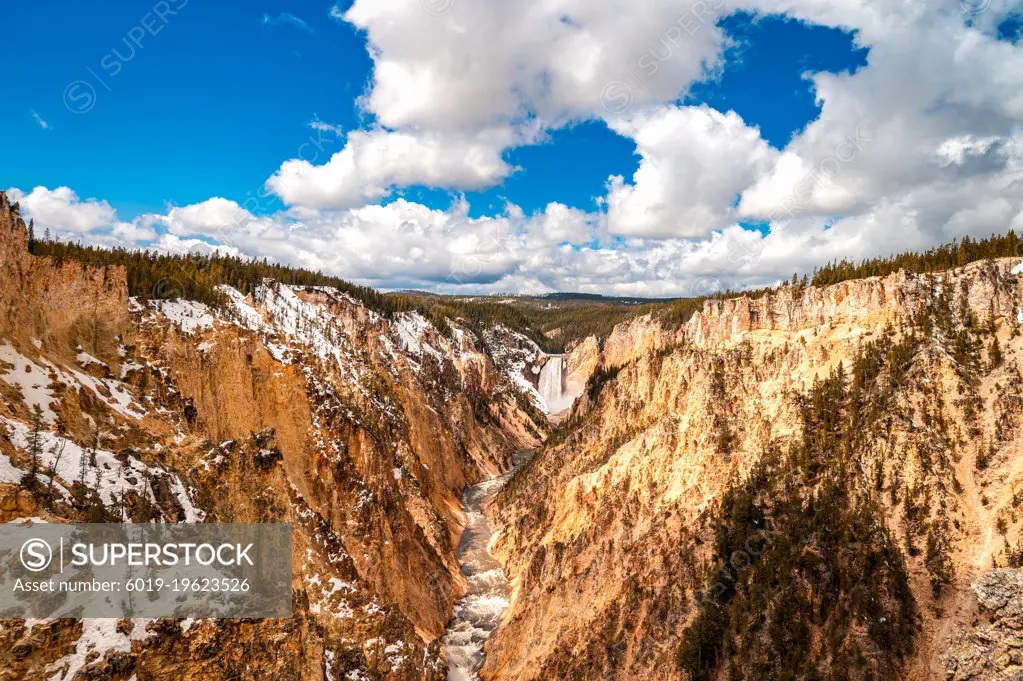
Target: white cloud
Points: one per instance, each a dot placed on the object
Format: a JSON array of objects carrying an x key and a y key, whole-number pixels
[
  {"x": 933, "y": 85},
  {"x": 374, "y": 161},
  {"x": 323, "y": 127},
  {"x": 408, "y": 245},
  {"x": 213, "y": 217},
  {"x": 60, "y": 210},
  {"x": 938, "y": 102},
  {"x": 39, "y": 120},
  {"x": 287, "y": 19},
  {"x": 66, "y": 216},
  {"x": 453, "y": 90},
  {"x": 486, "y": 61},
  {"x": 921, "y": 145},
  {"x": 695, "y": 162}
]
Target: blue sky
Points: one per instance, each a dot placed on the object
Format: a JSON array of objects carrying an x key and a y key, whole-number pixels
[
  {"x": 477, "y": 127},
  {"x": 211, "y": 104}
]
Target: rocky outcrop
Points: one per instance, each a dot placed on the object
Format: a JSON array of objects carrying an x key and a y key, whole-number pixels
[
  {"x": 580, "y": 362},
  {"x": 993, "y": 649},
  {"x": 62, "y": 304},
  {"x": 628, "y": 341},
  {"x": 864, "y": 303}
]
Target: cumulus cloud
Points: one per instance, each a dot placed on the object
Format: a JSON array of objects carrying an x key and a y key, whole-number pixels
[
  {"x": 936, "y": 109},
  {"x": 213, "y": 217},
  {"x": 375, "y": 161},
  {"x": 452, "y": 91},
  {"x": 61, "y": 210},
  {"x": 491, "y": 60},
  {"x": 408, "y": 245},
  {"x": 929, "y": 96},
  {"x": 695, "y": 162},
  {"x": 922, "y": 146},
  {"x": 66, "y": 216}
]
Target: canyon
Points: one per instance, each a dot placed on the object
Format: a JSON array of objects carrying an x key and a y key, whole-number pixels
[
  {"x": 812, "y": 483},
  {"x": 295, "y": 405},
  {"x": 668, "y": 528}
]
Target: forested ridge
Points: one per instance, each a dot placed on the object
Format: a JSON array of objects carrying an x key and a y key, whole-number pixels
[
  {"x": 153, "y": 275},
  {"x": 843, "y": 610},
  {"x": 944, "y": 257},
  {"x": 553, "y": 321}
]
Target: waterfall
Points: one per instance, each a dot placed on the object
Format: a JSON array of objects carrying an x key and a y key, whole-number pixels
[{"x": 552, "y": 385}]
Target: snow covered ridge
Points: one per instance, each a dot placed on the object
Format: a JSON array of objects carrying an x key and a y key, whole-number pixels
[
  {"x": 189, "y": 315},
  {"x": 307, "y": 318},
  {"x": 414, "y": 333}
]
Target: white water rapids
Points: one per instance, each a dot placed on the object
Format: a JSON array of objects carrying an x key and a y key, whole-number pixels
[{"x": 477, "y": 615}]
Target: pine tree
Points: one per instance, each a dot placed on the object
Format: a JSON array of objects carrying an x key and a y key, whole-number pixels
[
  {"x": 57, "y": 453},
  {"x": 89, "y": 456},
  {"x": 31, "y": 236},
  {"x": 35, "y": 445},
  {"x": 996, "y": 353}
]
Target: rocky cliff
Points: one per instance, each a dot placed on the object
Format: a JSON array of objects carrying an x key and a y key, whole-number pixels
[
  {"x": 801, "y": 485},
  {"x": 295, "y": 405},
  {"x": 64, "y": 304}
]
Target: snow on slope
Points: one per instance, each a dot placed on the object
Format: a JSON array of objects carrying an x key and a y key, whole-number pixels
[
  {"x": 287, "y": 320},
  {"x": 187, "y": 314},
  {"x": 519, "y": 359},
  {"x": 109, "y": 477},
  {"x": 31, "y": 378},
  {"x": 98, "y": 636},
  {"x": 35, "y": 378}
]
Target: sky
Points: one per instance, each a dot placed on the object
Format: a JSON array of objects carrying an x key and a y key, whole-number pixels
[{"x": 654, "y": 148}]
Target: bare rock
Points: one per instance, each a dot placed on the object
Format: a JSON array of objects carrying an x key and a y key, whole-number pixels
[{"x": 993, "y": 651}]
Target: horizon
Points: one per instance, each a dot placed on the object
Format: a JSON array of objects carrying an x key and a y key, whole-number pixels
[{"x": 628, "y": 300}]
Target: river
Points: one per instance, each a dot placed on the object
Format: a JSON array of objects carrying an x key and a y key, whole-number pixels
[{"x": 477, "y": 615}]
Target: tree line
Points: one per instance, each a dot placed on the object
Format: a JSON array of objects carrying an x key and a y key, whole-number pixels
[{"x": 948, "y": 256}]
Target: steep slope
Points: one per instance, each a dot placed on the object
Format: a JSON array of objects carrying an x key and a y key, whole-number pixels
[
  {"x": 804, "y": 484},
  {"x": 296, "y": 405}
]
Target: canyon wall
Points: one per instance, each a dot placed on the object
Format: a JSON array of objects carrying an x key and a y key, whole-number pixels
[
  {"x": 64, "y": 304},
  {"x": 884, "y": 410},
  {"x": 294, "y": 404}
]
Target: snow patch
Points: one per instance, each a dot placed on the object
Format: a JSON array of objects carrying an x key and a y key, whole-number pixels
[
  {"x": 85, "y": 359},
  {"x": 32, "y": 379},
  {"x": 100, "y": 636},
  {"x": 188, "y": 315},
  {"x": 411, "y": 327},
  {"x": 240, "y": 311},
  {"x": 109, "y": 477}
]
